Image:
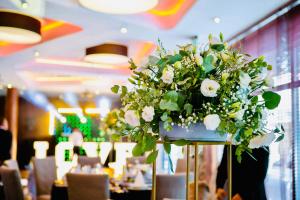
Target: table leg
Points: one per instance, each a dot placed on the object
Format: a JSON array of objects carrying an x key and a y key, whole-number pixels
[
  {"x": 196, "y": 172},
  {"x": 229, "y": 169},
  {"x": 187, "y": 178},
  {"x": 154, "y": 180}
]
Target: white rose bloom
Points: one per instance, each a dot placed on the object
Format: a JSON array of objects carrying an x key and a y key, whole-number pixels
[
  {"x": 199, "y": 59},
  {"x": 212, "y": 122},
  {"x": 132, "y": 118},
  {"x": 269, "y": 81},
  {"x": 148, "y": 113},
  {"x": 209, "y": 88},
  {"x": 245, "y": 80},
  {"x": 168, "y": 75},
  {"x": 261, "y": 140}
]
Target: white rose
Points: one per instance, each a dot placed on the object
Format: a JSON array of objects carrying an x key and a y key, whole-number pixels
[
  {"x": 168, "y": 75},
  {"x": 269, "y": 81},
  {"x": 261, "y": 140},
  {"x": 132, "y": 118},
  {"x": 212, "y": 122},
  {"x": 209, "y": 88},
  {"x": 199, "y": 59},
  {"x": 245, "y": 80},
  {"x": 148, "y": 113}
]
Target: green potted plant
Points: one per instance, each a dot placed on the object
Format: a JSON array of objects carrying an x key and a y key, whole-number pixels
[{"x": 192, "y": 95}]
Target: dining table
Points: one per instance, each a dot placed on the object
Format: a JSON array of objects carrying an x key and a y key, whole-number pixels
[{"x": 60, "y": 192}]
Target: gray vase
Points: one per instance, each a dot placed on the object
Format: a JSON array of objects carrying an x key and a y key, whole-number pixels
[{"x": 196, "y": 132}]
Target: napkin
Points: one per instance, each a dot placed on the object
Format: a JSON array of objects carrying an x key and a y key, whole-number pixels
[{"x": 139, "y": 180}]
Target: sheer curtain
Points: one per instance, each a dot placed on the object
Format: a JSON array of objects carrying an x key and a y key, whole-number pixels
[{"x": 279, "y": 42}]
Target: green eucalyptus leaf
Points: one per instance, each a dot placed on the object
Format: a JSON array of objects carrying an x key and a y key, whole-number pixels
[
  {"x": 181, "y": 142},
  {"x": 171, "y": 96},
  {"x": 272, "y": 99},
  {"x": 168, "y": 105},
  {"x": 164, "y": 117},
  {"x": 218, "y": 47},
  {"x": 280, "y": 138},
  {"x": 149, "y": 142},
  {"x": 152, "y": 156},
  {"x": 115, "y": 89},
  {"x": 188, "y": 108},
  {"x": 138, "y": 150},
  {"x": 167, "y": 147},
  {"x": 174, "y": 59},
  {"x": 207, "y": 63}
]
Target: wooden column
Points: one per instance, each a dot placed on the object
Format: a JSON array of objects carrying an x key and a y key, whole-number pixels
[{"x": 12, "y": 114}]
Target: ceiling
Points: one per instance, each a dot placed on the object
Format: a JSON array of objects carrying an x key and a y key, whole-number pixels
[{"x": 59, "y": 68}]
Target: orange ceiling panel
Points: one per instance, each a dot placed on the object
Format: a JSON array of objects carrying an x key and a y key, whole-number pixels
[{"x": 168, "y": 13}]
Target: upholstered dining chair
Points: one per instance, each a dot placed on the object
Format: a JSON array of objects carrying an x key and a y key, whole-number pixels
[
  {"x": 136, "y": 160},
  {"x": 88, "y": 186},
  {"x": 11, "y": 184},
  {"x": 45, "y": 174},
  {"x": 91, "y": 161},
  {"x": 170, "y": 186}
]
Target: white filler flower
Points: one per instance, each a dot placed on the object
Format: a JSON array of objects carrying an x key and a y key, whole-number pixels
[
  {"x": 148, "y": 113},
  {"x": 262, "y": 140},
  {"x": 212, "y": 122},
  {"x": 132, "y": 118},
  {"x": 168, "y": 75},
  {"x": 245, "y": 80},
  {"x": 209, "y": 87}
]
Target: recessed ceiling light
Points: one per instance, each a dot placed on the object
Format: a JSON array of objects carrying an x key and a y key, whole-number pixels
[
  {"x": 123, "y": 30},
  {"x": 36, "y": 53},
  {"x": 217, "y": 20},
  {"x": 19, "y": 28},
  {"x": 119, "y": 6},
  {"x": 25, "y": 5},
  {"x": 107, "y": 54}
]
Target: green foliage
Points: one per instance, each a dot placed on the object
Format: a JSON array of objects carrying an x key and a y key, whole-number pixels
[
  {"x": 115, "y": 89},
  {"x": 272, "y": 99},
  {"x": 152, "y": 156},
  {"x": 171, "y": 86}
]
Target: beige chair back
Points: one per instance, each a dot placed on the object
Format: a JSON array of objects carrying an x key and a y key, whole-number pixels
[
  {"x": 12, "y": 164},
  {"x": 170, "y": 186},
  {"x": 45, "y": 174},
  {"x": 91, "y": 161},
  {"x": 136, "y": 160},
  {"x": 88, "y": 186},
  {"x": 11, "y": 184}
]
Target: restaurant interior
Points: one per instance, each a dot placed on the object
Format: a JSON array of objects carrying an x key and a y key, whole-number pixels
[{"x": 75, "y": 76}]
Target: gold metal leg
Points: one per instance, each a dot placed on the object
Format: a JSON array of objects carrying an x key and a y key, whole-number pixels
[
  {"x": 196, "y": 172},
  {"x": 154, "y": 180},
  {"x": 229, "y": 168},
  {"x": 187, "y": 178}
]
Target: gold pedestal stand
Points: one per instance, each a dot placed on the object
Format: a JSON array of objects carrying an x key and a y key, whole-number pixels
[{"x": 196, "y": 144}]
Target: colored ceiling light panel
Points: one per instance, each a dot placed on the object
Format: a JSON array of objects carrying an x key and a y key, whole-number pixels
[
  {"x": 168, "y": 13},
  {"x": 119, "y": 6},
  {"x": 50, "y": 29}
]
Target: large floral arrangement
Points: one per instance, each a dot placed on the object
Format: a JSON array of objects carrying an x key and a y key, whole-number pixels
[{"x": 218, "y": 86}]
